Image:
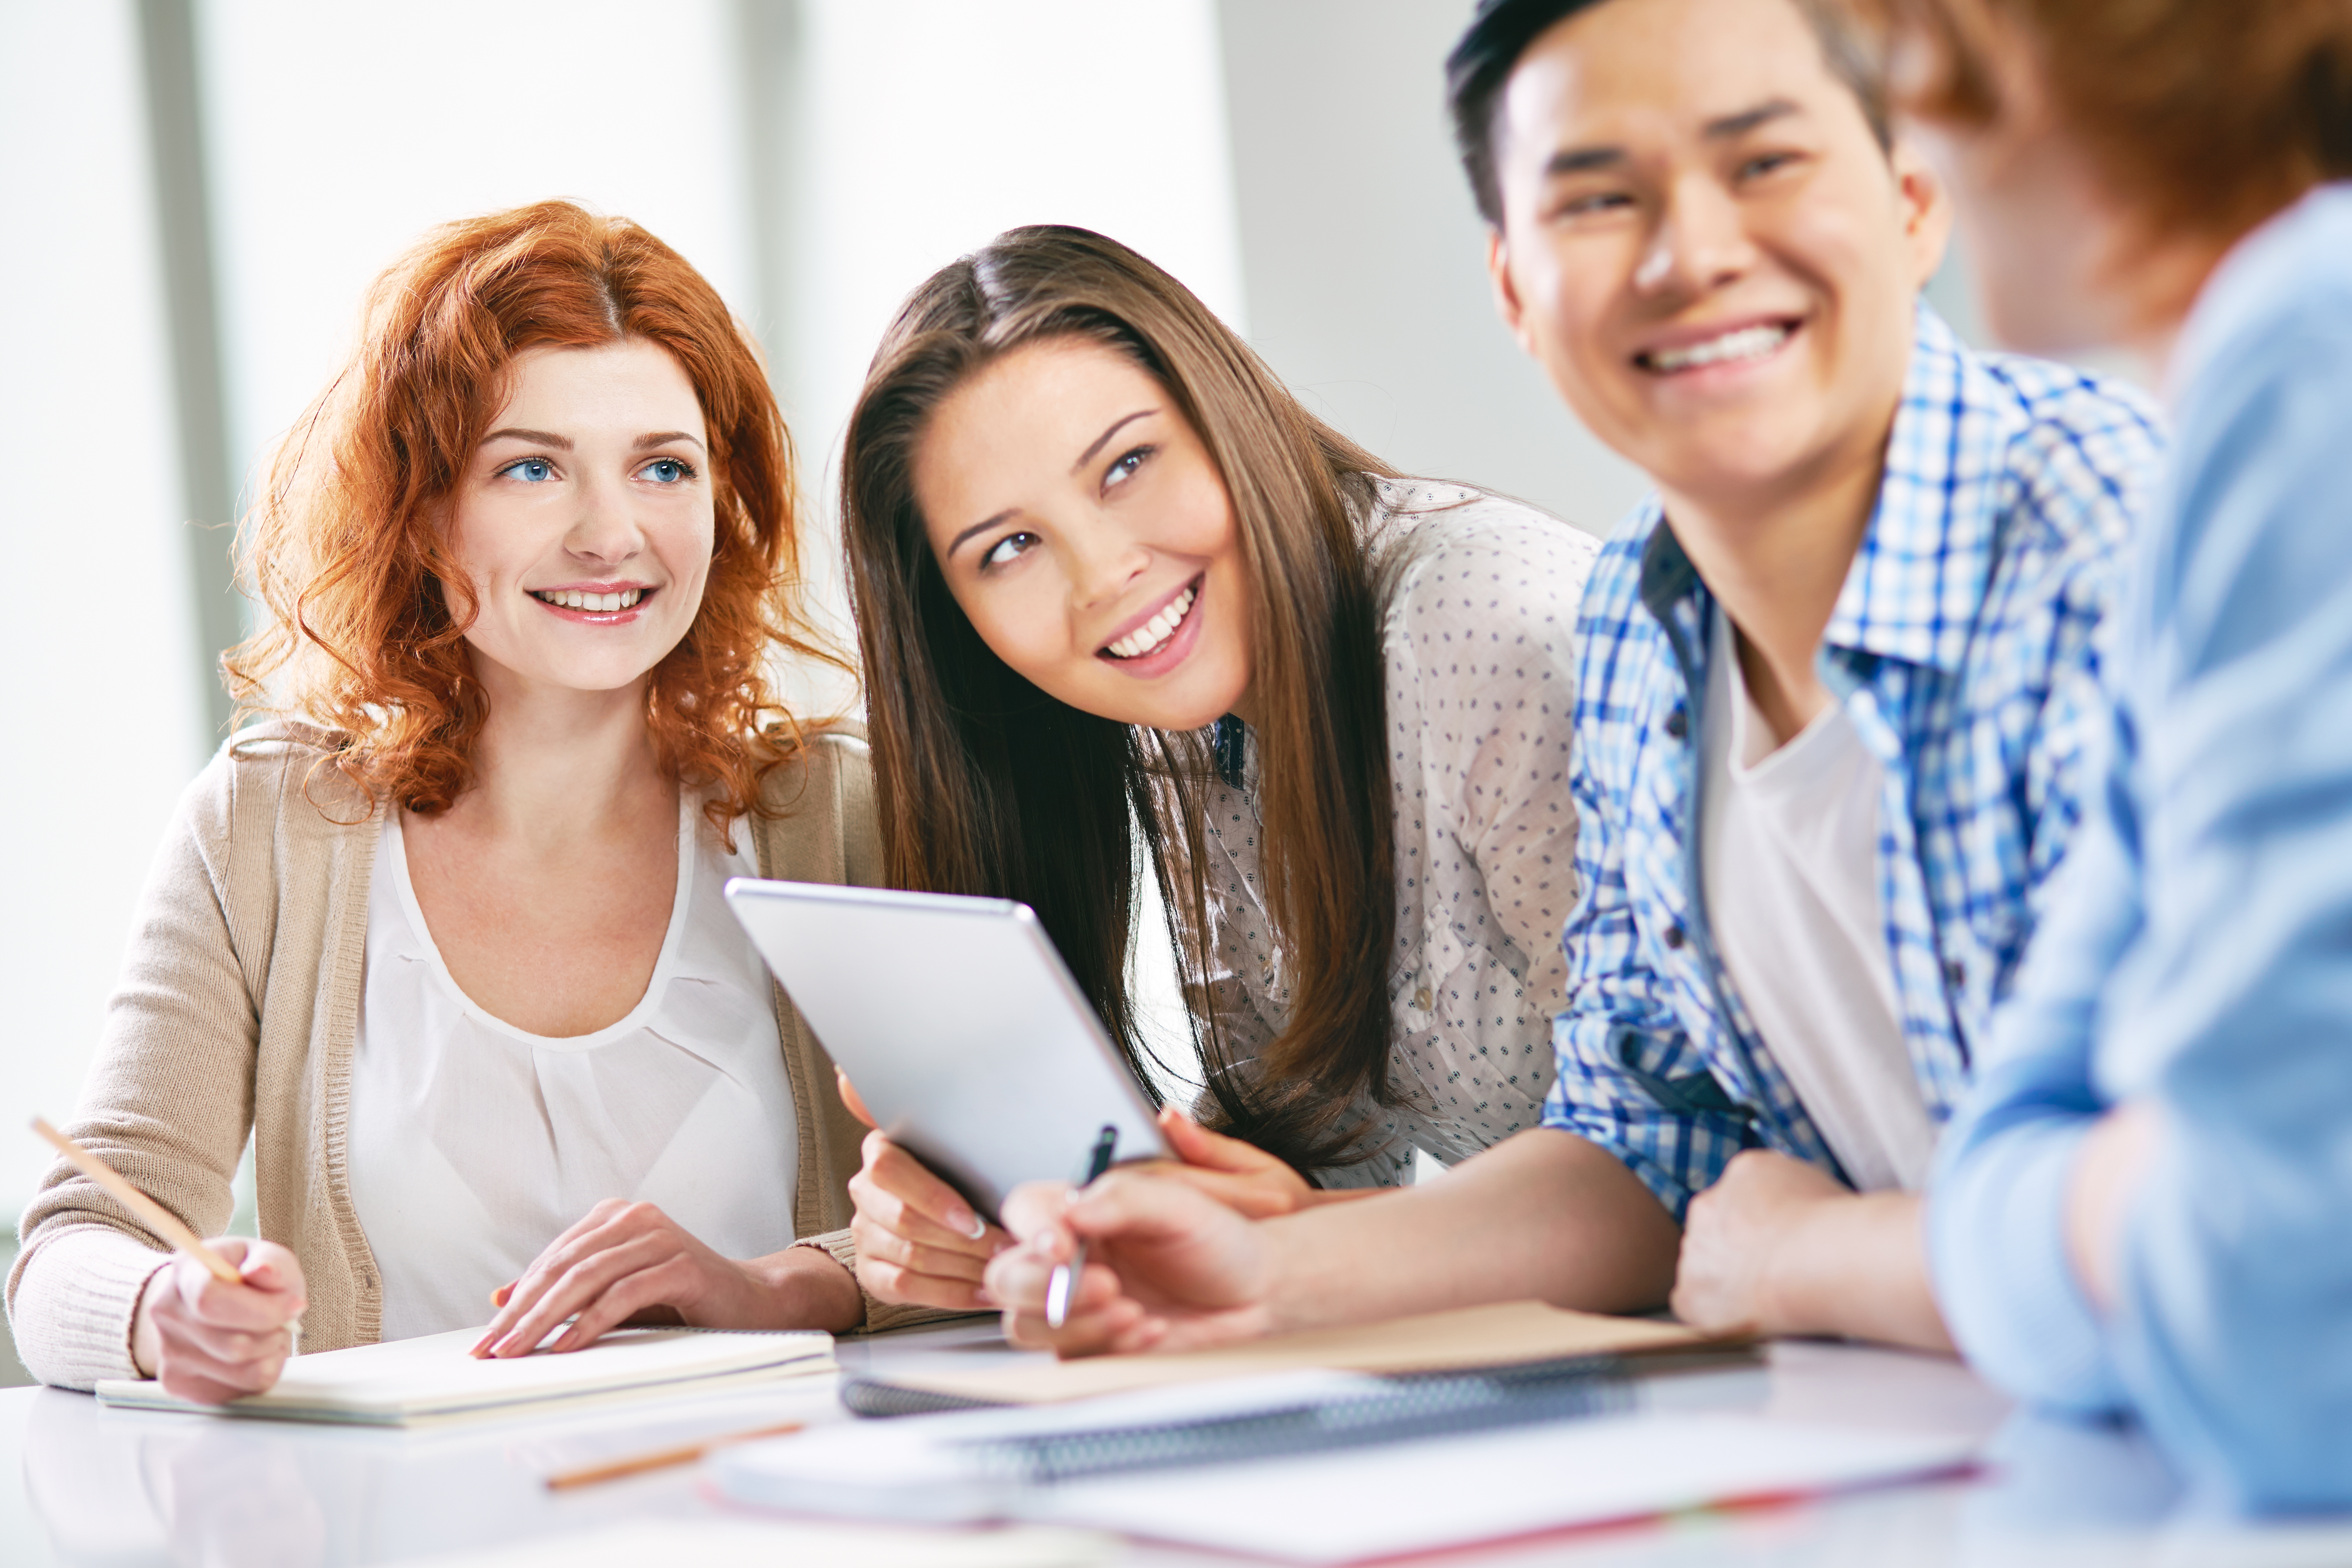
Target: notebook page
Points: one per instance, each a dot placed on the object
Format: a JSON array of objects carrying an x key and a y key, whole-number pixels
[
  {"x": 1419, "y": 1497},
  {"x": 434, "y": 1375}
]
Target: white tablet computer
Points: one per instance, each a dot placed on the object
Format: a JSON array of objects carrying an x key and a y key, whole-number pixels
[{"x": 959, "y": 1024}]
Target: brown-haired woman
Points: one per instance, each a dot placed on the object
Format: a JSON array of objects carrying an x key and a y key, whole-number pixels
[
  {"x": 2141, "y": 1206},
  {"x": 1119, "y": 593},
  {"x": 442, "y": 934}
]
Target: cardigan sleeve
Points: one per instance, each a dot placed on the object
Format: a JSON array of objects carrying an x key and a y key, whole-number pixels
[{"x": 168, "y": 1103}]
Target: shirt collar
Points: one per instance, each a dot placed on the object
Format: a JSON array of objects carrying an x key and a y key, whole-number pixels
[{"x": 1919, "y": 577}]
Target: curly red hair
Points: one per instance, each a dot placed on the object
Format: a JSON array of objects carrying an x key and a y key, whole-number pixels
[{"x": 368, "y": 606}]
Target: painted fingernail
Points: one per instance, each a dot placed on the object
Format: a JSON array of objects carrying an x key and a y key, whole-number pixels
[{"x": 963, "y": 1219}]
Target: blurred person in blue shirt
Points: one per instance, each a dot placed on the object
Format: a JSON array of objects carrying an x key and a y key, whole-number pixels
[{"x": 2144, "y": 1203}]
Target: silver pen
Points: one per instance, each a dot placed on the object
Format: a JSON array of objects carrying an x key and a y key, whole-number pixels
[{"x": 1066, "y": 1276}]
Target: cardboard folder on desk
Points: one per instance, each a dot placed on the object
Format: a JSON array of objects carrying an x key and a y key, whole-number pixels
[
  {"x": 432, "y": 1379},
  {"x": 1502, "y": 1334}
]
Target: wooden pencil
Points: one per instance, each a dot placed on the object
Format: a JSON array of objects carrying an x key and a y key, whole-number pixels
[
  {"x": 150, "y": 1212},
  {"x": 660, "y": 1458}
]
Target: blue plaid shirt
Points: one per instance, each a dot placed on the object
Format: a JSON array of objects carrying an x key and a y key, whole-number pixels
[{"x": 1966, "y": 646}]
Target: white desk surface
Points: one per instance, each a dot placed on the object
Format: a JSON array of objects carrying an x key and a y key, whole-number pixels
[{"x": 80, "y": 1484}]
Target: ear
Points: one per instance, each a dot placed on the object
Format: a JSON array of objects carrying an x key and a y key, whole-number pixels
[
  {"x": 1927, "y": 206},
  {"x": 1506, "y": 289}
]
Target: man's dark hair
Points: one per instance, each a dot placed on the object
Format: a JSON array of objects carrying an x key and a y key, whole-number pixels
[{"x": 1499, "y": 33}]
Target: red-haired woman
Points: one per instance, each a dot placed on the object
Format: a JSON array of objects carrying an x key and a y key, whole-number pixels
[{"x": 443, "y": 935}]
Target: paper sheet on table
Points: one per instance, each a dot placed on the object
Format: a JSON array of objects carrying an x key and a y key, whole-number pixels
[
  {"x": 1332, "y": 1506},
  {"x": 728, "y": 1543},
  {"x": 1421, "y": 1497},
  {"x": 1492, "y": 1335},
  {"x": 407, "y": 1383}
]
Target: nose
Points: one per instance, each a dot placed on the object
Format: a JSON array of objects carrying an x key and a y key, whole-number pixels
[
  {"x": 1105, "y": 561},
  {"x": 1699, "y": 243},
  {"x": 604, "y": 529}
]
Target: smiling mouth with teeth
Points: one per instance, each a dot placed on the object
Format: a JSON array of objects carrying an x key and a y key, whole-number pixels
[
  {"x": 1754, "y": 342},
  {"x": 1153, "y": 635},
  {"x": 573, "y": 599}
]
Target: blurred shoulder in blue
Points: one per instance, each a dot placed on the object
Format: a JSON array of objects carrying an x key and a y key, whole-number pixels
[{"x": 2198, "y": 953}]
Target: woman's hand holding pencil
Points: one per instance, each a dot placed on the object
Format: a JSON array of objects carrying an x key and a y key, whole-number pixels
[
  {"x": 209, "y": 1341},
  {"x": 219, "y": 1319}
]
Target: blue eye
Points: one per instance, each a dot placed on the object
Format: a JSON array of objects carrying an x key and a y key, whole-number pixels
[
  {"x": 1012, "y": 547},
  {"x": 530, "y": 470},
  {"x": 1125, "y": 467},
  {"x": 666, "y": 471}
]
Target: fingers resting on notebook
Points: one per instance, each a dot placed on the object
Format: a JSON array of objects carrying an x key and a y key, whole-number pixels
[
  {"x": 623, "y": 1262},
  {"x": 917, "y": 1240},
  {"x": 1167, "y": 1267},
  {"x": 212, "y": 1342}
]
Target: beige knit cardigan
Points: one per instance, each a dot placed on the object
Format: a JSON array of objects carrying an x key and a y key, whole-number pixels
[{"x": 236, "y": 1015}]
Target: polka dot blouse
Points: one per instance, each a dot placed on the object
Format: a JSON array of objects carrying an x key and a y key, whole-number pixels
[{"x": 1479, "y": 606}]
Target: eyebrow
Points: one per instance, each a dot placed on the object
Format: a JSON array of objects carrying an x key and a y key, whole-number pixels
[
  {"x": 1746, "y": 119},
  {"x": 1103, "y": 439},
  {"x": 1723, "y": 128},
  {"x": 536, "y": 437},
  {"x": 563, "y": 443},
  {"x": 958, "y": 541},
  {"x": 1578, "y": 159}
]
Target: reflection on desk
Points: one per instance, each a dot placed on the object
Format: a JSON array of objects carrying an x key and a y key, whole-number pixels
[{"x": 87, "y": 1486}]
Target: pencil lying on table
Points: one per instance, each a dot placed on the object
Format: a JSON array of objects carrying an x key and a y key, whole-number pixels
[
  {"x": 660, "y": 1458},
  {"x": 150, "y": 1212}
]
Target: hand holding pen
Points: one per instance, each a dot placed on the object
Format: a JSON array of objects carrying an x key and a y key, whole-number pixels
[
  {"x": 1057, "y": 1289},
  {"x": 1177, "y": 1269}
]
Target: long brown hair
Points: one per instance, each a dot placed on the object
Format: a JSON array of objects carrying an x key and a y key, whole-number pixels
[
  {"x": 988, "y": 785},
  {"x": 369, "y": 609}
]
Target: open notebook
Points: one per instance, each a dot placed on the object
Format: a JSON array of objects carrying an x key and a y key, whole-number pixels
[{"x": 410, "y": 1382}]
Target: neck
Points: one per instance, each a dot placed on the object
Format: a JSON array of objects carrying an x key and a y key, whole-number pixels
[
  {"x": 2168, "y": 276},
  {"x": 1777, "y": 570},
  {"x": 555, "y": 766}
]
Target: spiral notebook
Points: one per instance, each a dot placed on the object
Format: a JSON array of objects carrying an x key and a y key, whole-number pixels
[
  {"x": 1328, "y": 1467},
  {"x": 432, "y": 1379}
]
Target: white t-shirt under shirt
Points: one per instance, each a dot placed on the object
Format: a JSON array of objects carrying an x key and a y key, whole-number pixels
[
  {"x": 1787, "y": 852},
  {"x": 474, "y": 1144}
]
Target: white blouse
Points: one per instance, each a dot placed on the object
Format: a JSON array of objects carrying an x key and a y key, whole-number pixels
[
  {"x": 1479, "y": 637},
  {"x": 474, "y": 1144}
]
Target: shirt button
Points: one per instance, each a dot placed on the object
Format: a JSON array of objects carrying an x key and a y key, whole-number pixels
[
  {"x": 1676, "y": 724},
  {"x": 1674, "y": 936},
  {"x": 1421, "y": 999},
  {"x": 1956, "y": 974}
]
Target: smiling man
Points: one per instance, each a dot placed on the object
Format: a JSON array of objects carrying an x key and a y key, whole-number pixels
[{"x": 1834, "y": 682}]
